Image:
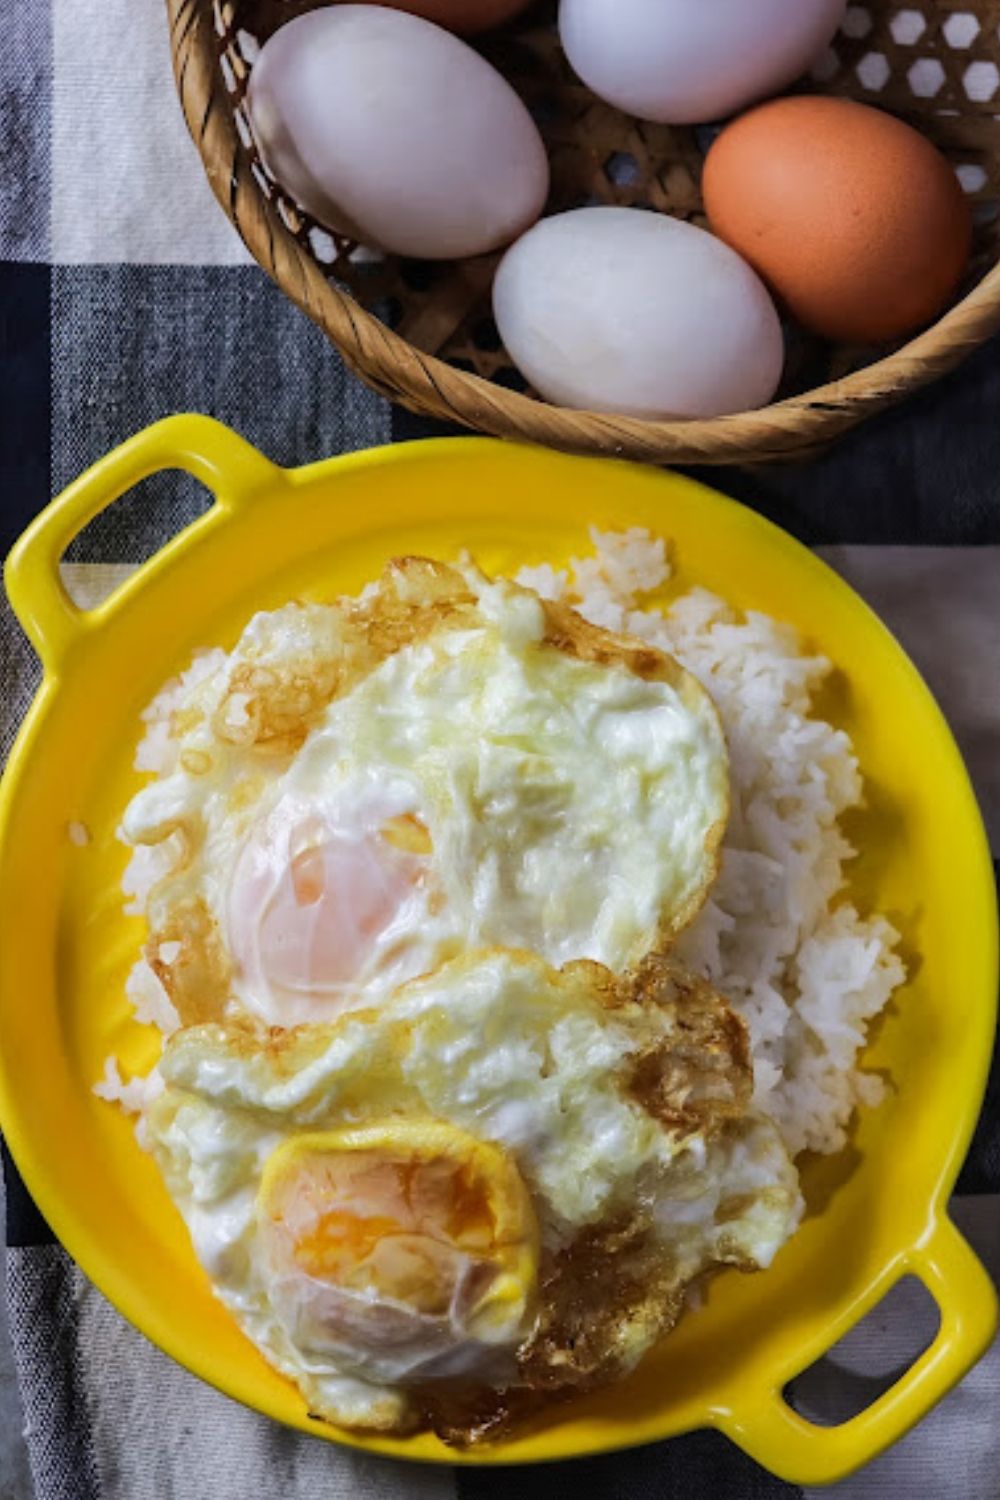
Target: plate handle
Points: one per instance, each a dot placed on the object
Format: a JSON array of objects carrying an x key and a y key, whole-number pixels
[
  {"x": 225, "y": 463},
  {"x": 805, "y": 1453}
]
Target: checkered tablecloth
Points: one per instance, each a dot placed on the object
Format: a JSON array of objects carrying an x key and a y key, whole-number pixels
[{"x": 125, "y": 295}]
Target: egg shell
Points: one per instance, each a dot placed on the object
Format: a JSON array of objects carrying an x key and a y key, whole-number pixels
[
  {"x": 621, "y": 310},
  {"x": 466, "y": 17},
  {"x": 855, "y": 220},
  {"x": 683, "y": 62},
  {"x": 390, "y": 129}
]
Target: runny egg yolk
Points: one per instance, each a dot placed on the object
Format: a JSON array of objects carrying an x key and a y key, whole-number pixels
[
  {"x": 313, "y": 896},
  {"x": 405, "y": 1250}
]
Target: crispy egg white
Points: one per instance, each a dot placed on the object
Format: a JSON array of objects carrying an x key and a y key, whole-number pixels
[
  {"x": 494, "y": 1185},
  {"x": 360, "y": 791}
]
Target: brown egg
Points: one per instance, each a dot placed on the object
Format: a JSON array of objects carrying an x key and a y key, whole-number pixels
[
  {"x": 466, "y": 17},
  {"x": 856, "y": 222}
]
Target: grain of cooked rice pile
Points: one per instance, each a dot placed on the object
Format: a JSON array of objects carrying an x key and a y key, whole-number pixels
[{"x": 778, "y": 937}]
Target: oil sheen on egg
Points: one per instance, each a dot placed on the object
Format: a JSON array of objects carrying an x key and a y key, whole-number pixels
[
  {"x": 856, "y": 221},
  {"x": 419, "y": 1192},
  {"x": 360, "y": 791},
  {"x": 389, "y": 129},
  {"x": 621, "y": 310},
  {"x": 684, "y": 62}
]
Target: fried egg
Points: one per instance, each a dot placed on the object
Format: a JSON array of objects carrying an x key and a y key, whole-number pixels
[
  {"x": 361, "y": 791},
  {"x": 492, "y": 1187}
]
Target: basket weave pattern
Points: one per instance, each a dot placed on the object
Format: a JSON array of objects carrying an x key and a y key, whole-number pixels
[{"x": 423, "y": 335}]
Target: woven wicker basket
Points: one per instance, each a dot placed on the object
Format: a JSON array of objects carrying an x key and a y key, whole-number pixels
[{"x": 423, "y": 334}]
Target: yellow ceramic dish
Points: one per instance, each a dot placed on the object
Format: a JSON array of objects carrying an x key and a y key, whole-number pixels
[{"x": 878, "y": 1211}]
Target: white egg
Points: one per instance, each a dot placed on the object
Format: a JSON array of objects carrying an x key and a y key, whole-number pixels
[
  {"x": 621, "y": 310},
  {"x": 682, "y": 62},
  {"x": 392, "y": 130}
]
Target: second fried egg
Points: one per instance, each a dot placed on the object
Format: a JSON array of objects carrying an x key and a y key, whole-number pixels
[
  {"x": 494, "y": 1187},
  {"x": 361, "y": 791}
]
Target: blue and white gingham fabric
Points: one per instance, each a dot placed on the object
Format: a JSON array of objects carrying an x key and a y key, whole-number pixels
[{"x": 125, "y": 295}]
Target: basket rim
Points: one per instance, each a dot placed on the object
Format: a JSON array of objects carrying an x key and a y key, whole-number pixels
[{"x": 429, "y": 385}]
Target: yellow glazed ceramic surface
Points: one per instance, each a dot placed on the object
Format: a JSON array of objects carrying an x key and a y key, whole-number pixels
[{"x": 876, "y": 1213}]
